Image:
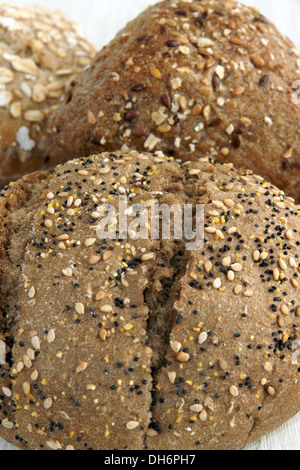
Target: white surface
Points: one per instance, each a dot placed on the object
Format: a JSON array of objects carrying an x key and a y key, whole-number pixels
[{"x": 101, "y": 20}]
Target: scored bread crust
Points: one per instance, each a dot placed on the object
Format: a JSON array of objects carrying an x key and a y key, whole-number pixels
[
  {"x": 141, "y": 344},
  {"x": 41, "y": 52},
  {"x": 191, "y": 79}
]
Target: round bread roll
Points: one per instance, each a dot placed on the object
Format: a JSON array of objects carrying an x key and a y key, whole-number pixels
[
  {"x": 128, "y": 342},
  {"x": 41, "y": 52},
  {"x": 191, "y": 78}
]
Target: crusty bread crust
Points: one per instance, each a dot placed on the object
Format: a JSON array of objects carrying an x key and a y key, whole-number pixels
[
  {"x": 191, "y": 79},
  {"x": 14, "y": 214},
  {"x": 141, "y": 344}
]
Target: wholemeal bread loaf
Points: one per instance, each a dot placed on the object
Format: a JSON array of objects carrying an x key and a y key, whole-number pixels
[
  {"x": 191, "y": 78},
  {"x": 127, "y": 342},
  {"x": 41, "y": 52}
]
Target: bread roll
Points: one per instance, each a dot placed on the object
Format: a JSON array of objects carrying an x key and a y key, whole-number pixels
[
  {"x": 41, "y": 52},
  {"x": 191, "y": 79},
  {"x": 124, "y": 342}
]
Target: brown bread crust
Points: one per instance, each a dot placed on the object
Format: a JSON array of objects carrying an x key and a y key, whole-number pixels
[
  {"x": 15, "y": 215},
  {"x": 141, "y": 344},
  {"x": 191, "y": 79}
]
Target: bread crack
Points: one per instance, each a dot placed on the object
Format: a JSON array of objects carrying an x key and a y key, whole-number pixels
[{"x": 160, "y": 296}]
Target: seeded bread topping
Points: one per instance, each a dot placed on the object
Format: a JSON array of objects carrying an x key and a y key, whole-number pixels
[
  {"x": 41, "y": 53},
  {"x": 129, "y": 343},
  {"x": 191, "y": 78}
]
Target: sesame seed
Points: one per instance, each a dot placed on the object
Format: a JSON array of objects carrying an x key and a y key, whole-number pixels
[
  {"x": 50, "y": 336},
  {"x": 282, "y": 264},
  {"x": 103, "y": 334},
  {"x": 31, "y": 292},
  {"x": 172, "y": 377},
  {"x": 79, "y": 308},
  {"x": 268, "y": 367},
  {"x": 229, "y": 203},
  {"x": 237, "y": 267},
  {"x": 90, "y": 242},
  {"x": 222, "y": 364},
  {"x": 148, "y": 256},
  {"x": 26, "y": 388},
  {"x": 35, "y": 342},
  {"x": 249, "y": 293},
  {"x": 208, "y": 266},
  {"x": 34, "y": 375},
  {"x": 106, "y": 309},
  {"x": 99, "y": 296},
  {"x": 289, "y": 235},
  {"x": 27, "y": 361},
  {"x": 202, "y": 337},
  {"x": 203, "y": 416},
  {"x": 271, "y": 391},
  {"x": 234, "y": 391},
  {"x": 237, "y": 289},
  {"x": 81, "y": 367},
  {"x": 64, "y": 237},
  {"x": 284, "y": 310},
  {"x": 217, "y": 283},
  {"x": 196, "y": 408},
  {"x": 7, "y": 392},
  {"x": 226, "y": 262},
  {"x": 48, "y": 403},
  {"x": 94, "y": 259},
  {"x": 132, "y": 425}
]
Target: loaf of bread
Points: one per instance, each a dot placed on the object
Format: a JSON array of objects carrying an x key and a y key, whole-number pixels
[
  {"x": 137, "y": 342},
  {"x": 41, "y": 52},
  {"x": 191, "y": 78}
]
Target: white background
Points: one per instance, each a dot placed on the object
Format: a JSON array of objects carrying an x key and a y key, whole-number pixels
[{"x": 101, "y": 20}]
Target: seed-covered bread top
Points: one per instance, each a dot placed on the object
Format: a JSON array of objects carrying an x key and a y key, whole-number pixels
[
  {"x": 191, "y": 78},
  {"x": 41, "y": 52},
  {"x": 234, "y": 348},
  {"x": 138, "y": 343}
]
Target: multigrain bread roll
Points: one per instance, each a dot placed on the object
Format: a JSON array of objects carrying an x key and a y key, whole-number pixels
[
  {"x": 41, "y": 52},
  {"x": 139, "y": 343},
  {"x": 191, "y": 78}
]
